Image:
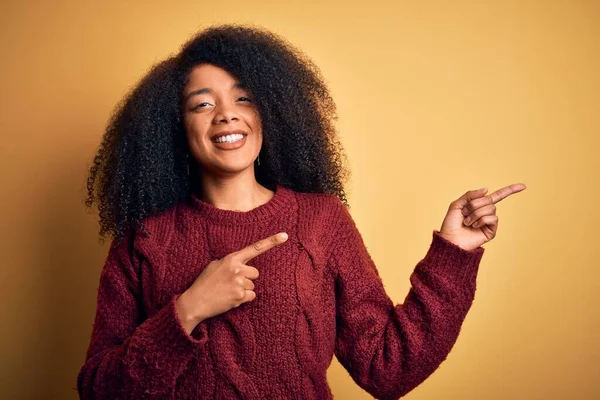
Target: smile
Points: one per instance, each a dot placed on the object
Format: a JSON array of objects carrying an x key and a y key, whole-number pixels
[
  {"x": 236, "y": 137},
  {"x": 231, "y": 141}
]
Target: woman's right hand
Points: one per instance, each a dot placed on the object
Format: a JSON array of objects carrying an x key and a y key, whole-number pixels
[{"x": 223, "y": 284}]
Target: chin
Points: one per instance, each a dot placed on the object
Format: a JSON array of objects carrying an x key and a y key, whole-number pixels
[{"x": 231, "y": 168}]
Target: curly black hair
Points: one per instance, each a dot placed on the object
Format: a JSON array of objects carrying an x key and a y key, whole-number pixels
[{"x": 141, "y": 166}]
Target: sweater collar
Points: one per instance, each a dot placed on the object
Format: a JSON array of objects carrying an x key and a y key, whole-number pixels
[{"x": 280, "y": 202}]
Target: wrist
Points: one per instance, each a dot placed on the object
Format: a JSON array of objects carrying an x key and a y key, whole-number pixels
[
  {"x": 455, "y": 242},
  {"x": 185, "y": 311}
]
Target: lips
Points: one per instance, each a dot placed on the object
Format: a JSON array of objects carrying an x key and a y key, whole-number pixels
[
  {"x": 217, "y": 135},
  {"x": 230, "y": 145}
]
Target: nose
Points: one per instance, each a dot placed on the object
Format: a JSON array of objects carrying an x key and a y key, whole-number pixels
[{"x": 225, "y": 113}]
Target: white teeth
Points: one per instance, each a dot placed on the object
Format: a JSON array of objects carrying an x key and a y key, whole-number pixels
[{"x": 229, "y": 138}]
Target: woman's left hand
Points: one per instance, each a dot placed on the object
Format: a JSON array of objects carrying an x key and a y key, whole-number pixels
[{"x": 471, "y": 219}]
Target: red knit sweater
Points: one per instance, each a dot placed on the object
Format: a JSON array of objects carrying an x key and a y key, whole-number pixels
[{"x": 318, "y": 294}]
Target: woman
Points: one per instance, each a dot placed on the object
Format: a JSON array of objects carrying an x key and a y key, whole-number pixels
[{"x": 236, "y": 270}]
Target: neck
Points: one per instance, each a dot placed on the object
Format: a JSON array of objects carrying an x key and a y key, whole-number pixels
[{"x": 238, "y": 193}]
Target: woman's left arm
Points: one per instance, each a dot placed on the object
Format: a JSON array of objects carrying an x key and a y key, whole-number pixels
[{"x": 390, "y": 349}]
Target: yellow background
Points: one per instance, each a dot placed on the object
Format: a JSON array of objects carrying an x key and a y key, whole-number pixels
[{"x": 435, "y": 98}]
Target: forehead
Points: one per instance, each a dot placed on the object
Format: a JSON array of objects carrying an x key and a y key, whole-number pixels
[{"x": 209, "y": 76}]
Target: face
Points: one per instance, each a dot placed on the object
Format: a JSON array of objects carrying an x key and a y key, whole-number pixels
[{"x": 221, "y": 121}]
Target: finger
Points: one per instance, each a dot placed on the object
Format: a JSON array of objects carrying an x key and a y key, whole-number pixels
[
  {"x": 249, "y": 295},
  {"x": 506, "y": 191},
  {"x": 244, "y": 282},
  {"x": 462, "y": 201},
  {"x": 248, "y": 253},
  {"x": 473, "y": 205},
  {"x": 248, "y": 272},
  {"x": 480, "y": 212},
  {"x": 489, "y": 220}
]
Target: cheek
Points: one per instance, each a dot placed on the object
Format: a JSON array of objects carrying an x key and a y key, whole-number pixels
[
  {"x": 196, "y": 129},
  {"x": 197, "y": 139},
  {"x": 258, "y": 137},
  {"x": 250, "y": 116},
  {"x": 253, "y": 120}
]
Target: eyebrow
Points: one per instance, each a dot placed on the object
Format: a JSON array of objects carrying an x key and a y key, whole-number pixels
[{"x": 208, "y": 90}]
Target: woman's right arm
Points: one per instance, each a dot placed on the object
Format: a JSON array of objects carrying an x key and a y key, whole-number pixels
[{"x": 129, "y": 357}]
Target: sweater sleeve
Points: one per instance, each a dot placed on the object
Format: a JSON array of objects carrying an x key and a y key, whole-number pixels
[
  {"x": 390, "y": 349},
  {"x": 131, "y": 356}
]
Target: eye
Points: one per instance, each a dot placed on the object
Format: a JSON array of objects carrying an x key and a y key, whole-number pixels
[
  {"x": 245, "y": 99},
  {"x": 199, "y": 105}
]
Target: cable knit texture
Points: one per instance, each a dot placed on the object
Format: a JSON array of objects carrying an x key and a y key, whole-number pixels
[{"x": 318, "y": 295}]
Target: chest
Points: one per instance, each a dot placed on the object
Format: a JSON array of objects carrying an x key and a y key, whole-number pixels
[{"x": 290, "y": 274}]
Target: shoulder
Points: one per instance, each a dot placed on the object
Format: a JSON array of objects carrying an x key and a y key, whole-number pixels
[
  {"x": 323, "y": 219},
  {"x": 327, "y": 215},
  {"x": 323, "y": 207},
  {"x": 157, "y": 230}
]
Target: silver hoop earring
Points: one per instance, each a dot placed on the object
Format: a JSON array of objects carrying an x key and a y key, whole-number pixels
[{"x": 258, "y": 159}]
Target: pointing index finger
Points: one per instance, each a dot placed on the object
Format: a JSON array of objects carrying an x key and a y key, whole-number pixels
[
  {"x": 248, "y": 253},
  {"x": 506, "y": 191}
]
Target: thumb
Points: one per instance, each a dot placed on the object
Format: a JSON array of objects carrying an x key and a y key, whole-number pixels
[{"x": 468, "y": 196}]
